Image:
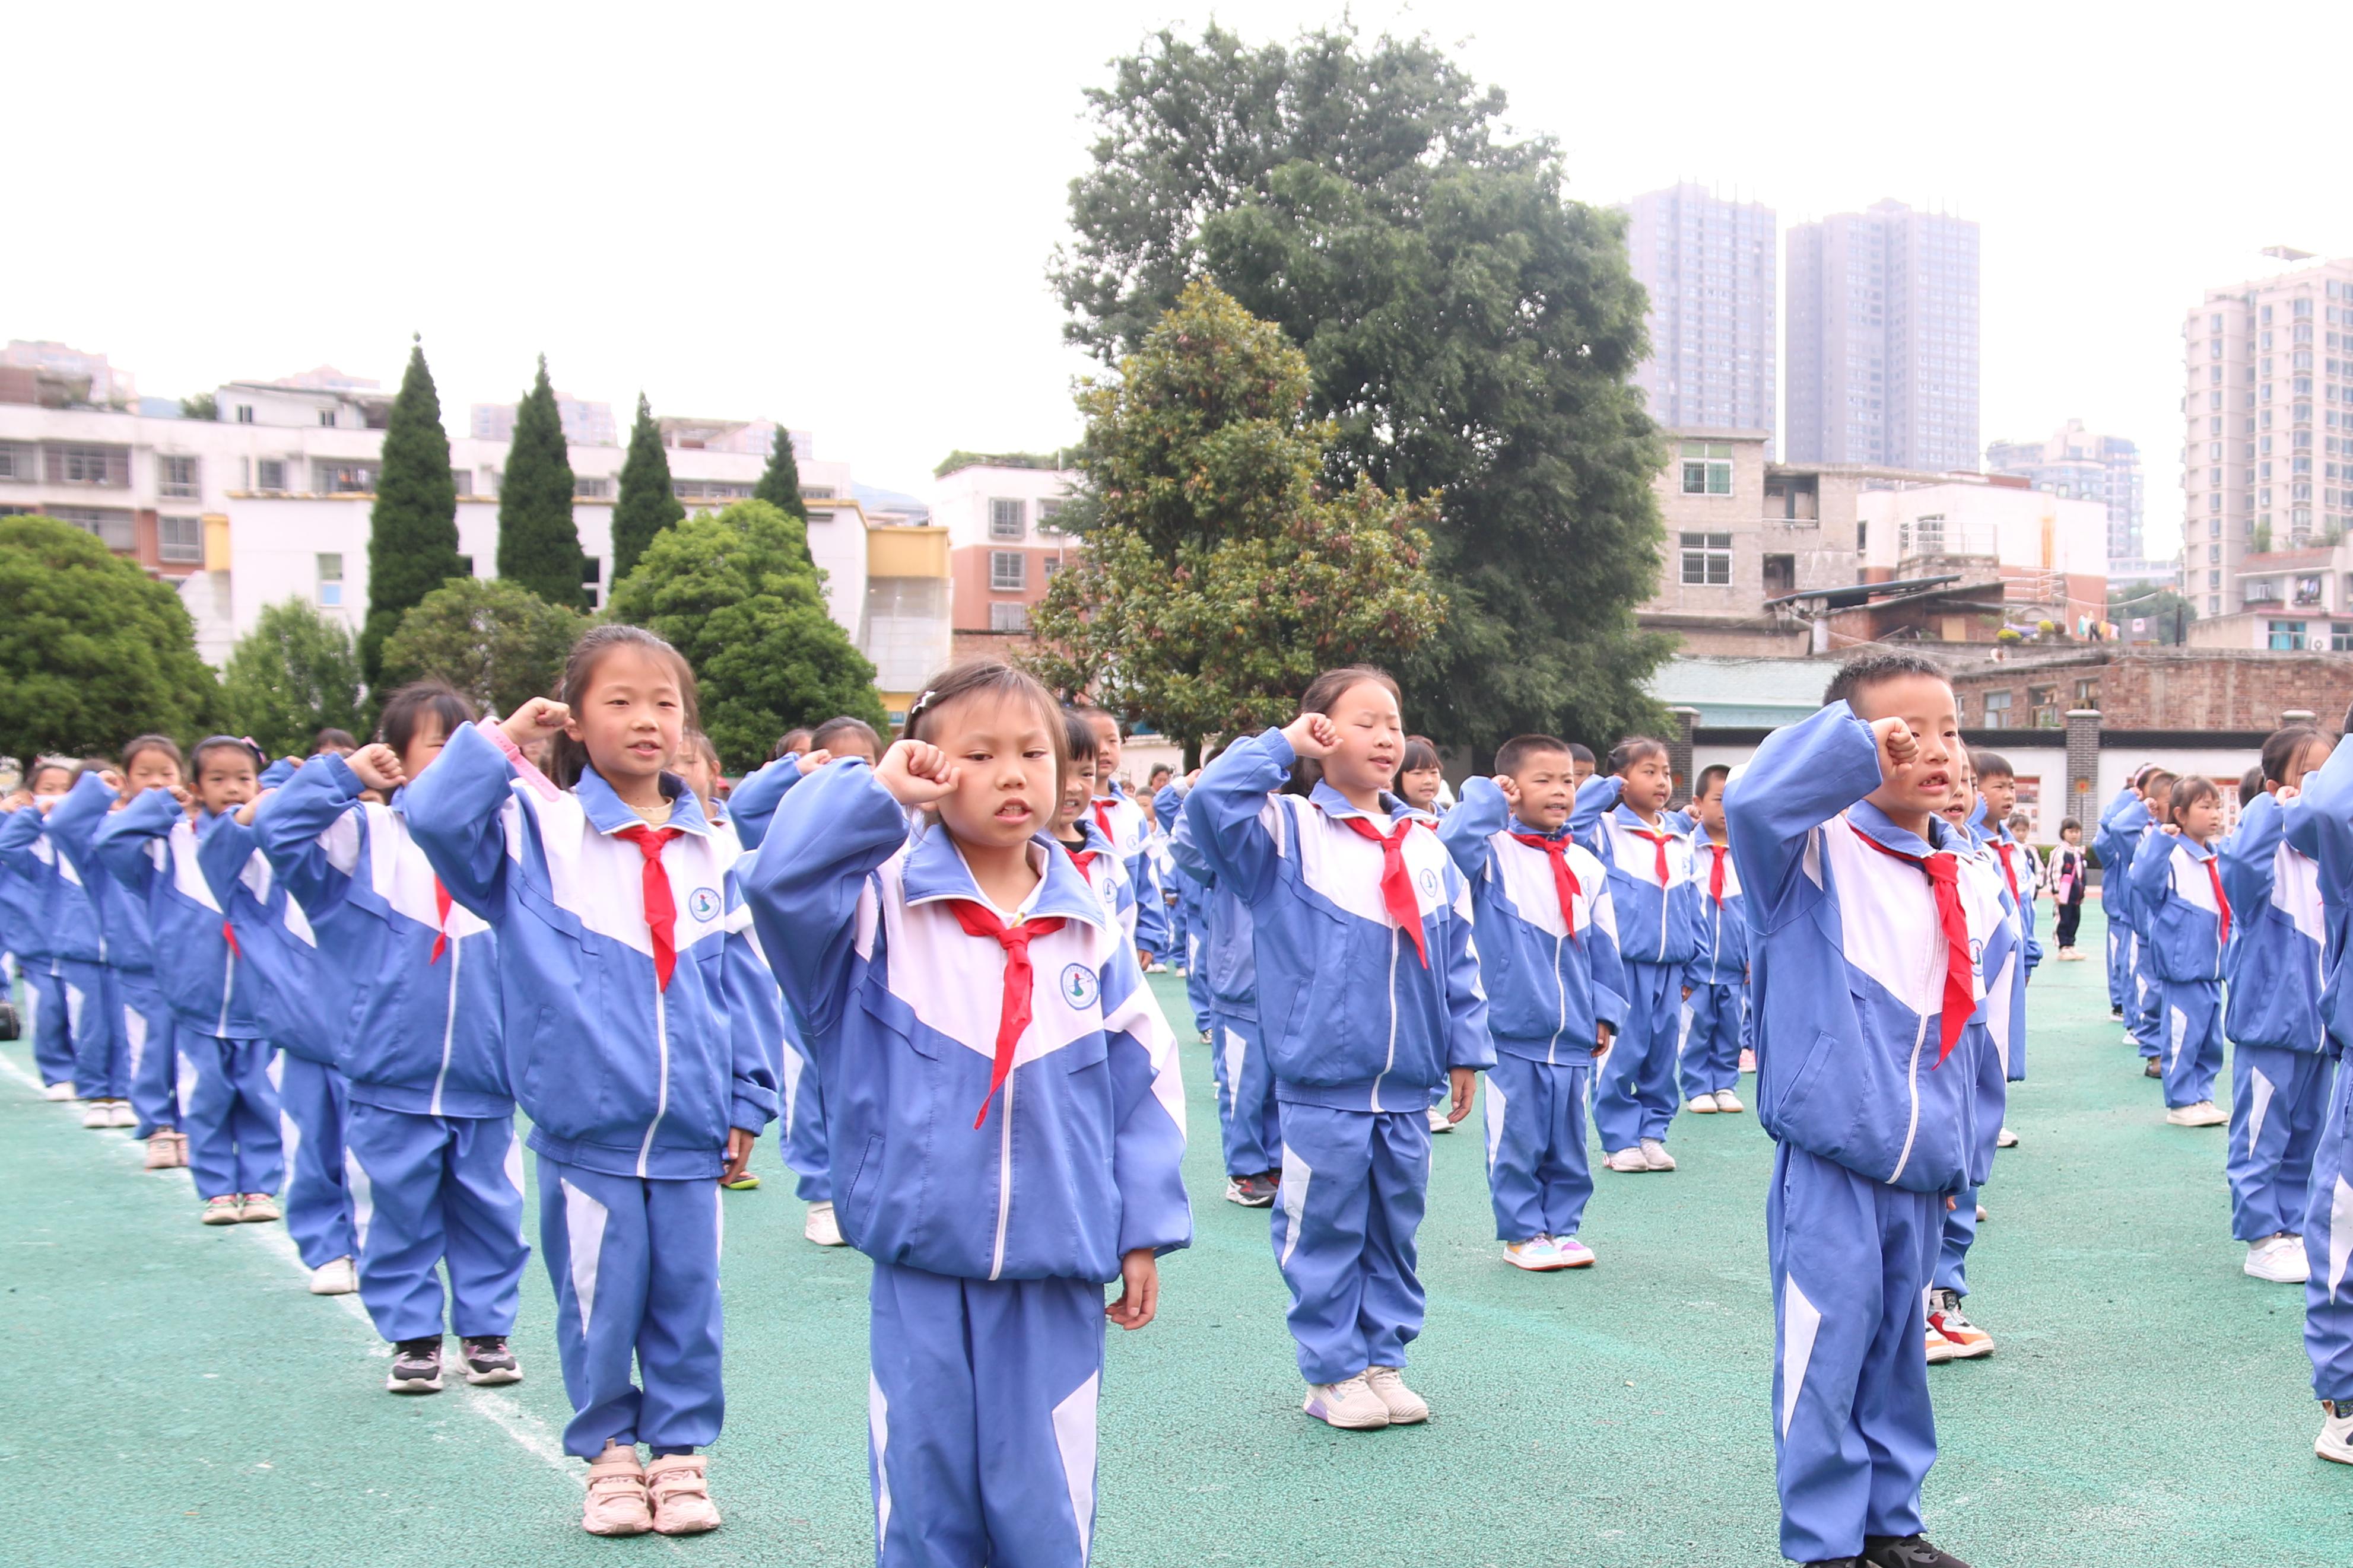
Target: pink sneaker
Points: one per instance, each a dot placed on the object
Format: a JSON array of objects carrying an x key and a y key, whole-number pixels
[
  {"x": 259, "y": 1208},
  {"x": 680, "y": 1494},
  {"x": 164, "y": 1152},
  {"x": 617, "y": 1496}
]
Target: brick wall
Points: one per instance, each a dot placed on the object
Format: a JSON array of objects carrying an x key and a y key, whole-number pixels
[{"x": 2164, "y": 688}]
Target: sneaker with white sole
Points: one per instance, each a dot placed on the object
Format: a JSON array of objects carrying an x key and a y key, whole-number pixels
[
  {"x": 488, "y": 1360},
  {"x": 162, "y": 1152},
  {"x": 2279, "y": 1258},
  {"x": 2205, "y": 1113},
  {"x": 821, "y": 1227},
  {"x": 1940, "y": 1348},
  {"x": 1981, "y": 1214},
  {"x": 1537, "y": 1255},
  {"x": 2336, "y": 1439},
  {"x": 1726, "y": 1100},
  {"x": 1251, "y": 1191},
  {"x": 1701, "y": 1105},
  {"x": 2005, "y": 1139},
  {"x": 123, "y": 1115},
  {"x": 1574, "y": 1254},
  {"x": 1350, "y": 1405},
  {"x": 416, "y": 1367},
  {"x": 677, "y": 1490},
  {"x": 336, "y": 1276},
  {"x": 1655, "y": 1156},
  {"x": 259, "y": 1208},
  {"x": 1405, "y": 1406},
  {"x": 1748, "y": 1061},
  {"x": 97, "y": 1113},
  {"x": 1439, "y": 1121},
  {"x": 226, "y": 1209},
  {"x": 615, "y": 1504},
  {"x": 1630, "y": 1160},
  {"x": 58, "y": 1091},
  {"x": 1945, "y": 1317}
]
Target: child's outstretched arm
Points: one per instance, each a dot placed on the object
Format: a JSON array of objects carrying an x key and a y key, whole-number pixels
[
  {"x": 2250, "y": 857},
  {"x": 310, "y": 831},
  {"x": 752, "y": 805},
  {"x": 74, "y": 821},
  {"x": 125, "y": 843},
  {"x": 18, "y": 834},
  {"x": 463, "y": 810},
  {"x": 1598, "y": 798},
  {"x": 2152, "y": 873},
  {"x": 1237, "y": 827},
  {"x": 1148, "y": 1142},
  {"x": 1803, "y": 775},
  {"x": 1483, "y": 812}
]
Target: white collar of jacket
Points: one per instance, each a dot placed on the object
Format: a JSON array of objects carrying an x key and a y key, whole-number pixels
[
  {"x": 1627, "y": 817},
  {"x": 1513, "y": 826},
  {"x": 1872, "y": 823},
  {"x": 608, "y": 813},
  {"x": 935, "y": 870},
  {"x": 1092, "y": 831},
  {"x": 1332, "y": 803}
]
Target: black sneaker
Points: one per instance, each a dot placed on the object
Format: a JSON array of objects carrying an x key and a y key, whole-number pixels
[
  {"x": 2153, "y": 1070},
  {"x": 488, "y": 1360},
  {"x": 2115, "y": 1012},
  {"x": 416, "y": 1367},
  {"x": 1251, "y": 1192},
  {"x": 1906, "y": 1552}
]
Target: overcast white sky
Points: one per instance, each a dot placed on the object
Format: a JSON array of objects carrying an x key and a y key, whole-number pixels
[{"x": 840, "y": 216}]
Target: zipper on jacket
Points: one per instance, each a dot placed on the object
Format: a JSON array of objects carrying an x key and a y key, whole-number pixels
[
  {"x": 1911, "y": 1074},
  {"x": 1560, "y": 1027},
  {"x": 449, "y": 1028},
  {"x": 1397, "y": 936},
  {"x": 662, "y": 1086},
  {"x": 228, "y": 989},
  {"x": 1004, "y": 1175}
]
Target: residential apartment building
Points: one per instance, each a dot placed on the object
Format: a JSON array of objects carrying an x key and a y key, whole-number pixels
[
  {"x": 2267, "y": 424},
  {"x": 1711, "y": 268},
  {"x": 2086, "y": 466},
  {"x": 1003, "y": 546},
  {"x": 1882, "y": 314},
  {"x": 584, "y": 423}
]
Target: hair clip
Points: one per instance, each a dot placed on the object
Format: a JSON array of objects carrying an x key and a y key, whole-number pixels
[{"x": 917, "y": 707}]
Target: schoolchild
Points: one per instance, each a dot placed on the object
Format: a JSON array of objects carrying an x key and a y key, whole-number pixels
[
  {"x": 2113, "y": 840},
  {"x": 1127, "y": 823},
  {"x": 2185, "y": 921},
  {"x": 2145, "y": 1017},
  {"x": 1420, "y": 776},
  {"x": 2067, "y": 874},
  {"x": 1715, "y": 1025},
  {"x": 26, "y": 899},
  {"x": 35, "y": 848},
  {"x": 1996, "y": 825},
  {"x": 61, "y": 947}
]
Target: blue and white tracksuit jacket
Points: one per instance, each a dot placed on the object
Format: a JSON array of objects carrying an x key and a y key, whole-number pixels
[
  {"x": 2319, "y": 822},
  {"x": 431, "y": 1157},
  {"x": 2181, "y": 939},
  {"x": 2124, "y": 835},
  {"x": 1221, "y": 972},
  {"x": 82, "y": 1030},
  {"x": 143, "y": 1019},
  {"x": 991, "y": 1243},
  {"x": 1549, "y": 994},
  {"x": 1714, "y": 1018},
  {"x": 631, "y": 1086},
  {"x": 2017, "y": 874},
  {"x": 1635, "y": 1099},
  {"x": 2113, "y": 838},
  {"x": 1167, "y": 802},
  {"x": 1847, "y": 975},
  {"x": 1999, "y": 1030},
  {"x": 232, "y": 1113},
  {"x": 1131, "y": 834},
  {"x": 2280, "y": 1059},
  {"x": 1360, "y": 1035}
]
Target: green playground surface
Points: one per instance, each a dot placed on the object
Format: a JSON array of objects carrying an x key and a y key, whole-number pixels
[{"x": 175, "y": 1396}]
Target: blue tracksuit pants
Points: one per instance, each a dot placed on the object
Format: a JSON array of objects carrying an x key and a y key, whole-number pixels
[
  {"x": 2278, "y": 1100},
  {"x": 808, "y": 1154},
  {"x": 2144, "y": 1014},
  {"x": 1539, "y": 1172},
  {"x": 53, "y": 1051},
  {"x": 314, "y": 1100},
  {"x": 635, "y": 1263},
  {"x": 2120, "y": 949},
  {"x": 429, "y": 1190},
  {"x": 234, "y": 1143},
  {"x": 1713, "y": 1018},
  {"x": 1198, "y": 995},
  {"x": 101, "y": 1067},
  {"x": 1958, "y": 1233},
  {"x": 2191, "y": 1014},
  {"x": 981, "y": 1419},
  {"x": 1250, "y": 1124},
  {"x": 1853, "y": 1435},
  {"x": 2328, "y": 1242},
  {"x": 1354, "y": 1185},
  {"x": 1634, "y": 1094},
  {"x": 150, "y": 1036}
]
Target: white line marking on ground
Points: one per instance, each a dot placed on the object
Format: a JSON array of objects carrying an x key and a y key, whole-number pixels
[{"x": 502, "y": 1411}]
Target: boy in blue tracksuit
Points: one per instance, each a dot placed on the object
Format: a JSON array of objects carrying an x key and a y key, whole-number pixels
[
  {"x": 77, "y": 951},
  {"x": 1715, "y": 982},
  {"x": 625, "y": 968},
  {"x": 32, "y": 936},
  {"x": 1621, "y": 820},
  {"x": 1006, "y": 1108},
  {"x": 1223, "y": 968},
  {"x": 433, "y": 1166},
  {"x": 1997, "y": 787},
  {"x": 2280, "y": 1059},
  {"x": 1864, "y": 934},
  {"x": 2112, "y": 839},
  {"x": 2127, "y": 832},
  {"x": 1548, "y": 945},
  {"x": 1369, "y": 998},
  {"x": 231, "y": 1112},
  {"x": 2185, "y": 924},
  {"x": 1167, "y": 800}
]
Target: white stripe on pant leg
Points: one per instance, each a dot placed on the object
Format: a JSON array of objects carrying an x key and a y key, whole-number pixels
[
  {"x": 134, "y": 1032},
  {"x": 363, "y": 1191},
  {"x": 74, "y": 1000},
  {"x": 2180, "y": 1028},
  {"x": 584, "y": 1228},
  {"x": 1074, "y": 1436},
  {"x": 2259, "y": 1102},
  {"x": 1494, "y": 1120},
  {"x": 878, "y": 1433},
  {"x": 1802, "y": 1320},
  {"x": 2340, "y": 1234},
  {"x": 1296, "y": 1174}
]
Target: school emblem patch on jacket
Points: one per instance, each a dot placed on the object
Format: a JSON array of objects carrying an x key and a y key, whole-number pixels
[
  {"x": 1079, "y": 986},
  {"x": 703, "y": 903}
]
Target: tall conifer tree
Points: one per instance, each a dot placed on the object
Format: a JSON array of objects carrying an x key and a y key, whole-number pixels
[
  {"x": 780, "y": 487},
  {"x": 647, "y": 504},
  {"x": 539, "y": 545},
  {"x": 413, "y": 529}
]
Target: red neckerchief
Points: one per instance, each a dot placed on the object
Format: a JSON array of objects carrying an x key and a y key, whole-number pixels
[
  {"x": 2005, "y": 849},
  {"x": 661, "y": 913},
  {"x": 1013, "y": 1009},
  {"x": 1715, "y": 872},
  {"x": 441, "y": 922},
  {"x": 1659, "y": 841},
  {"x": 1397, "y": 883},
  {"x": 1102, "y": 820},
  {"x": 2221, "y": 900},
  {"x": 1082, "y": 859},
  {"x": 1564, "y": 880},
  {"x": 228, "y": 934},
  {"x": 1942, "y": 871}
]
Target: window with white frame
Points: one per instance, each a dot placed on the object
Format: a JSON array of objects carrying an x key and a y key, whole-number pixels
[
  {"x": 1707, "y": 559},
  {"x": 20, "y": 460},
  {"x": 1008, "y": 615},
  {"x": 1707, "y": 468},
  {"x": 331, "y": 581},
  {"x": 1008, "y": 572},
  {"x": 1047, "y": 511},
  {"x": 269, "y": 475},
  {"x": 107, "y": 466},
  {"x": 462, "y": 480},
  {"x": 180, "y": 538},
  {"x": 333, "y": 476},
  {"x": 1005, "y": 520},
  {"x": 592, "y": 490},
  {"x": 177, "y": 478}
]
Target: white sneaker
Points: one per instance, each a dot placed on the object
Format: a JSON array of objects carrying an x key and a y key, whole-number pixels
[
  {"x": 1627, "y": 1159},
  {"x": 99, "y": 1114},
  {"x": 1701, "y": 1105},
  {"x": 1349, "y": 1404},
  {"x": 123, "y": 1115},
  {"x": 336, "y": 1276},
  {"x": 1573, "y": 1253},
  {"x": 2005, "y": 1139},
  {"x": 2205, "y": 1113},
  {"x": 58, "y": 1091},
  {"x": 2336, "y": 1439},
  {"x": 1405, "y": 1406},
  {"x": 1655, "y": 1156},
  {"x": 821, "y": 1226},
  {"x": 1537, "y": 1255},
  {"x": 2279, "y": 1258},
  {"x": 1981, "y": 1214},
  {"x": 1438, "y": 1121},
  {"x": 1729, "y": 1101}
]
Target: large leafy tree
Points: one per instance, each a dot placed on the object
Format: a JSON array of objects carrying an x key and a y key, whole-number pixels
[
  {"x": 735, "y": 591},
  {"x": 1468, "y": 328},
  {"x": 647, "y": 504},
  {"x": 497, "y": 642},
  {"x": 92, "y": 650},
  {"x": 294, "y": 674},
  {"x": 1216, "y": 579},
  {"x": 780, "y": 482},
  {"x": 413, "y": 528},
  {"x": 539, "y": 544}
]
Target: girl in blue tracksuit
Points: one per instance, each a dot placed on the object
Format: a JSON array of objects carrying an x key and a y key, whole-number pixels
[
  {"x": 1548, "y": 954},
  {"x": 1007, "y": 1116},
  {"x": 433, "y": 1165},
  {"x": 1621, "y": 820},
  {"x": 231, "y": 1111},
  {"x": 1715, "y": 982},
  {"x": 1127, "y": 823},
  {"x": 1369, "y": 999},
  {"x": 32, "y": 851},
  {"x": 32, "y": 937},
  {"x": 2185, "y": 920},
  {"x": 2280, "y": 1059},
  {"x": 626, "y": 976},
  {"x": 2110, "y": 840},
  {"x": 1864, "y": 939}
]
